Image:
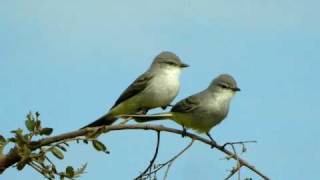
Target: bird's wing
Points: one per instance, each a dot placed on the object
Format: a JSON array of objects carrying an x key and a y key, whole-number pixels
[
  {"x": 186, "y": 105},
  {"x": 136, "y": 87}
]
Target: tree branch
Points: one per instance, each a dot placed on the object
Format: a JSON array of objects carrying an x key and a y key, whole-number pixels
[
  {"x": 152, "y": 160},
  {"x": 13, "y": 156}
]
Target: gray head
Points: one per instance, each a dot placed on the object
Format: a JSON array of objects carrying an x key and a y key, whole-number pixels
[
  {"x": 168, "y": 59},
  {"x": 224, "y": 82}
]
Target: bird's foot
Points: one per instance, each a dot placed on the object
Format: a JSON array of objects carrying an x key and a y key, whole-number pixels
[
  {"x": 142, "y": 112},
  {"x": 184, "y": 132}
]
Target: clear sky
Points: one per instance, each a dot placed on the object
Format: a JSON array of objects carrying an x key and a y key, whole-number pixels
[{"x": 70, "y": 60}]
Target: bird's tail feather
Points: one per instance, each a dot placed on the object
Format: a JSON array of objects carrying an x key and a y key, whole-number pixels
[
  {"x": 103, "y": 120},
  {"x": 147, "y": 118}
]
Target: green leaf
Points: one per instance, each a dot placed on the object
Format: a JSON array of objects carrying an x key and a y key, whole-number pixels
[
  {"x": 82, "y": 169},
  {"x": 54, "y": 169},
  {"x": 30, "y": 124},
  {"x": 2, "y": 140},
  {"x": 30, "y": 116},
  {"x": 27, "y": 137},
  {"x": 57, "y": 153},
  {"x": 21, "y": 165},
  {"x": 62, "y": 148},
  {"x": 37, "y": 115},
  {"x": 13, "y": 140},
  {"x": 69, "y": 171},
  {"x": 46, "y": 131},
  {"x": 99, "y": 146},
  {"x": 18, "y": 131},
  {"x": 21, "y": 139},
  {"x": 37, "y": 125},
  {"x": 3, "y": 143}
]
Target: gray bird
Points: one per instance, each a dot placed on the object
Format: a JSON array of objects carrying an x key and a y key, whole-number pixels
[
  {"x": 203, "y": 110},
  {"x": 157, "y": 87}
]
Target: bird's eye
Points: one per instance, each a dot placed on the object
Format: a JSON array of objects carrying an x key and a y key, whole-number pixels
[
  {"x": 224, "y": 86},
  {"x": 171, "y": 63}
]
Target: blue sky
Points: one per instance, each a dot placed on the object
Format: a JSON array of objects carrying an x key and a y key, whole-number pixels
[{"x": 70, "y": 60}]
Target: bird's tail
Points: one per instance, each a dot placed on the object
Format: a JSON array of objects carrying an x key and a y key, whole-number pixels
[
  {"x": 147, "y": 118},
  {"x": 103, "y": 120}
]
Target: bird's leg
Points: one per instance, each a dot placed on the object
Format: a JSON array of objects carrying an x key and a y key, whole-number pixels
[
  {"x": 142, "y": 111},
  {"x": 184, "y": 131},
  {"x": 213, "y": 142}
]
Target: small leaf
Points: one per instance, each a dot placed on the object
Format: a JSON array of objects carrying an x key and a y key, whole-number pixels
[
  {"x": 244, "y": 149},
  {"x": 30, "y": 116},
  {"x": 54, "y": 169},
  {"x": 99, "y": 146},
  {"x": 3, "y": 143},
  {"x": 57, "y": 153},
  {"x": 69, "y": 171},
  {"x": 2, "y": 140},
  {"x": 62, "y": 148},
  {"x": 30, "y": 124},
  {"x": 27, "y": 137},
  {"x": 40, "y": 159},
  {"x": 21, "y": 165},
  {"x": 18, "y": 131},
  {"x": 46, "y": 131},
  {"x": 37, "y": 125},
  {"x": 13, "y": 140},
  {"x": 21, "y": 139},
  {"x": 37, "y": 114},
  {"x": 82, "y": 169}
]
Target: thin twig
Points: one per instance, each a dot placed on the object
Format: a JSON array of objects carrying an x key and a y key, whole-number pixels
[
  {"x": 238, "y": 167},
  {"x": 152, "y": 160},
  {"x": 37, "y": 168},
  {"x": 174, "y": 158},
  {"x": 160, "y": 166},
  {"x": 238, "y": 142}
]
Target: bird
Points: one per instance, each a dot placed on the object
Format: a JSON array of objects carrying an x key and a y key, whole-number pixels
[
  {"x": 157, "y": 87},
  {"x": 201, "y": 111}
]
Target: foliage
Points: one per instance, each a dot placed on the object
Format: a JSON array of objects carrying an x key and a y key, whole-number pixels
[{"x": 38, "y": 158}]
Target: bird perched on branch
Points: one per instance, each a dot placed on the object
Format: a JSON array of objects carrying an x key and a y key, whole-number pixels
[
  {"x": 157, "y": 87},
  {"x": 203, "y": 110}
]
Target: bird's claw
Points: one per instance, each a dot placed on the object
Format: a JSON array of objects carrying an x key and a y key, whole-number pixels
[{"x": 184, "y": 132}]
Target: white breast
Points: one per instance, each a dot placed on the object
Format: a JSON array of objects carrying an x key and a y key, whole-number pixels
[
  {"x": 164, "y": 87},
  {"x": 221, "y": 100}
]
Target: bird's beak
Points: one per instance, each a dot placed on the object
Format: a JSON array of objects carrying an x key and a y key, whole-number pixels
[
  {"x": 183, "y": 65},
  {"x": 236, "y": 89}
]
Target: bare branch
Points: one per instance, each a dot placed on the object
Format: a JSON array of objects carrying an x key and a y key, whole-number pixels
[
  {"x": 238, "y": 166},
  {"x": 169, "y": 162},
  {"x": 176, "y": 157},
  {"x": 13, "y": 157},
  {"x": 153, "y": 159}
]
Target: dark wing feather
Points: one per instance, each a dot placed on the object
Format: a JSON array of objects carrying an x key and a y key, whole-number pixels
[
  {"x": 186, "y": 105},
  {"x": 136, "y": 87}
]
